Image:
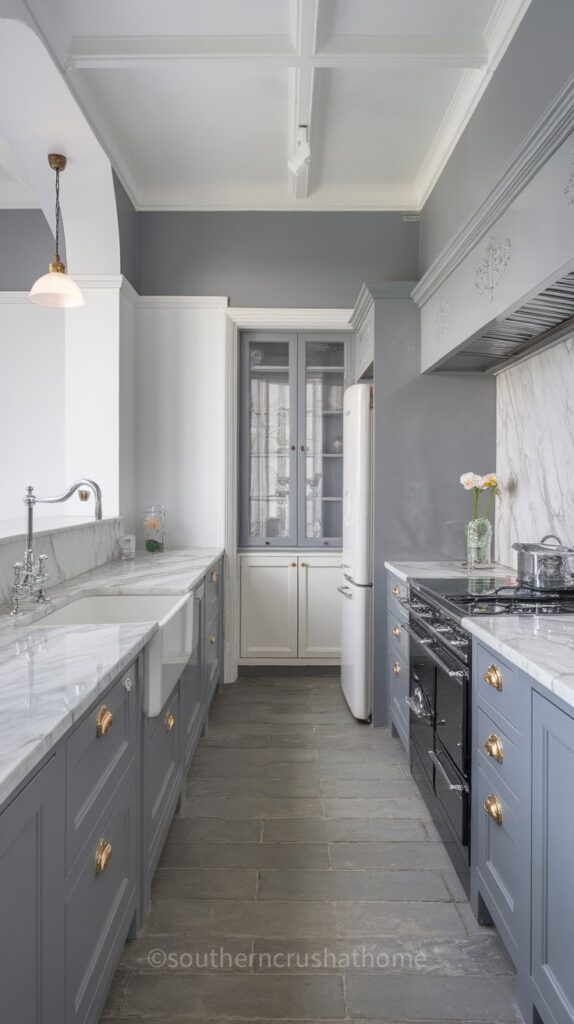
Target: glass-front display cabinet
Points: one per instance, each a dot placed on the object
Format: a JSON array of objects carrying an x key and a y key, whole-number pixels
[{"x": 291, "y": 440}]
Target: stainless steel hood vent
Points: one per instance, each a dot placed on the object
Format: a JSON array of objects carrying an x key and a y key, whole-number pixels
[{"x": 541, "y": 320}]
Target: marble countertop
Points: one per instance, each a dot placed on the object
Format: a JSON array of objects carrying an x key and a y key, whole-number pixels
[
  {"x": 444, "y": 570},
  {"x": 50, "y": 676},
  {"x": 540, "y": 645}
]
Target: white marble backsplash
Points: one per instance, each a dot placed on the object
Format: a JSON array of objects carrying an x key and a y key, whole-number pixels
[
  {"x": 535, "y": 450},
  {"x": 71, "y": 550}
]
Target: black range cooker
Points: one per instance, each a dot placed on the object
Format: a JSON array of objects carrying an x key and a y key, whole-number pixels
[{"x": 440, "y": 690}]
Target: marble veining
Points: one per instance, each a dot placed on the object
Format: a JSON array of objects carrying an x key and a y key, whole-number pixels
[
  {"x": 442, "y": 571},
  {"x": 49, "y": 676},
  {"x": 540, "y": 645},
  {"x": 71, "y": 549},
  {"x": 535, "y": 450}
]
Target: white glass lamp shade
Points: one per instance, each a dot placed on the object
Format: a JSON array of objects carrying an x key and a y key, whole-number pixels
[{"x": 56, "y": 290}]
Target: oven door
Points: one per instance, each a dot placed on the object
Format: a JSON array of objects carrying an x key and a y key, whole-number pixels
[
  {"x": 421, "y": 700},
  {"x": 452, "y": 791},
  {"x": 452, "y": 710}
]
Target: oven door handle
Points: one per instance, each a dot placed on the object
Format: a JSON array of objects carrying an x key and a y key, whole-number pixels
[
  {"x": 455, "y": 787},
  {"x": 423, "y": 640},
  {"x": 417, "y": 710}
]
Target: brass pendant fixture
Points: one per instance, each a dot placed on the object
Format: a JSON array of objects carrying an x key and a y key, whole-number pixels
[{"x": 56, "y": 289}]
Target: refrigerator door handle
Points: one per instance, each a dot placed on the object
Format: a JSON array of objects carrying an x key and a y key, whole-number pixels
[{"x": 345, "y": 592}]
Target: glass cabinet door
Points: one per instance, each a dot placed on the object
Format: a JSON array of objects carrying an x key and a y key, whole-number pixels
[
  {"x": 268, "y": 440},
  {"x": 321, "y": 388}
]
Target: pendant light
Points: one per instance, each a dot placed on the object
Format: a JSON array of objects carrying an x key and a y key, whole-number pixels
[{"x": 56, "y": 289}]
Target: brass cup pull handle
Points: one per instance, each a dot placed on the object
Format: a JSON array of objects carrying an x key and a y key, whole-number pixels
[
  {"x": 396, "y": 631},
  {"x": 169, "y": 721},
  {"x": 493, "y": 808},
  {"x": 103, "y": 856},
  {"x": 494, "y": 748},
  {"x": 493, "y": 676},
  {"x": 104, "y": 721},
  {"x": 397, "y": 668},
  {"x": 396, "y": 591}
]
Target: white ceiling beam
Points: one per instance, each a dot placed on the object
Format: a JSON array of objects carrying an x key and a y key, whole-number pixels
[
  {"x": 93, "y": 52},
  {"x": 304, "y": 24}
]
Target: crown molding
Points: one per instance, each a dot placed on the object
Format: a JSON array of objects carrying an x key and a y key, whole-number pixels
[
  {"x": 548, "y": 134},
  {"x": 182, "y": 301},
  {"x": 245, "y": 317},
  {"x": 15, "y": 299},
  {"x": 370, "y": 293}
]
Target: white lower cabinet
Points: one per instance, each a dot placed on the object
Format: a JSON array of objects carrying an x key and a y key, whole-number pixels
[{"x": 290, "y": 608}]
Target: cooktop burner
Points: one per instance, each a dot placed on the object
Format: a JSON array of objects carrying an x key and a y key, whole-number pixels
[{"x": 488, "y": 595}]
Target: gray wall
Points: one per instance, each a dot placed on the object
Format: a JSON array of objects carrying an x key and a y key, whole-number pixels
[
  {"x": 536, "y": 65},
  {"x": 274, "y": 259},
  {"x": 428, "y": 430},
  {"x": 127, "y": 226},
  {"x": 26, "y": 248}
]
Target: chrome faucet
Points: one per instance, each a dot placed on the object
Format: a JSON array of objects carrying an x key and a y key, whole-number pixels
[{"x": 31, "y": 576}]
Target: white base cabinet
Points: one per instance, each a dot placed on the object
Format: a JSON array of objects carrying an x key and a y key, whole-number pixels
[{"x": 290, "y": 608}]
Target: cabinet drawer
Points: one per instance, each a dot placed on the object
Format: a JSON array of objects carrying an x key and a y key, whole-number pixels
[
  {"x": 162, "y": 774},
  {"x": 397, "y": 591},
  {"x": 501, "y": 852},
  {"x": 504, "y": 692},
  {"x": 398, "y": 637},
  {"x": 98, "y": 752},
  {"x": 101, "y": 905},
  {"x": 500, "y": 753}
]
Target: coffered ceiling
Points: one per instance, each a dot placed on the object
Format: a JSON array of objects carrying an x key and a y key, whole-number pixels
[{"x": 209, "y": 104}]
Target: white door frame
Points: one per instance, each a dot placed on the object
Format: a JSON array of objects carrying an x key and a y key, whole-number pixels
[{"x": 241, "y": 318}]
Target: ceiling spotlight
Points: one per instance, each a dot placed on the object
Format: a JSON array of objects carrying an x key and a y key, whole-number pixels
[
  {"x": 56, "y": 289},
  {"x": 302, "y": 157}
]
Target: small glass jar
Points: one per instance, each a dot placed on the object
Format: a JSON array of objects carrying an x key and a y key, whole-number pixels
[
  {"x": 154, "y": 527},
  {"x": 128, "y": 547}
]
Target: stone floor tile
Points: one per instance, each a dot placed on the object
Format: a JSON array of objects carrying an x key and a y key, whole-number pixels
[
  {"x": 251, "y": 807},
  {"x": 407, "y": 807},
  {"x": 355, "y": 789},
  {"x": 422, "y": 998},
  {"x": 374, "y": 920},
  {"x": 262, "y": 786},
  {"x": 177, "y": 855},
  {"x": 243, "y": 918},
  {"x": 334, "y": 830},
  {"x": 389, "y": 855},
  {"x": 205, "y": 884},
  {"x": 352, "y": 885},
  {"x": 216, "y": 830}
]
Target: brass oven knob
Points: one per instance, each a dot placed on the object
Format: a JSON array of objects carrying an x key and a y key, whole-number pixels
[
  {"x": 103, "y": 856},
  {"x": 104, "y": 721},
  {"x": 493, "y": 676},
  {"x": 397, "y": 668},
  {"x": 396, "y": 631},
  {"x": 493, "y": 747},
  {"x": 396, "y": 591},
  {"x": 169, "y": 721},
  {"x": 493, "y": 808}
]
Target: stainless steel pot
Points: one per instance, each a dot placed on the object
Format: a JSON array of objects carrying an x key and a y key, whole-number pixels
[{"x": 545, "y": 566}]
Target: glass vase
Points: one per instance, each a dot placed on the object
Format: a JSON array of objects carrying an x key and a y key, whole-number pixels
[
  {"x": 154, "y": 527},
  {"x": 478, "y": 543}
]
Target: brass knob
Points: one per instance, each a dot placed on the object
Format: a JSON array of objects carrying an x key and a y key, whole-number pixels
[
  {"x": 493, "y": 747},
  {"x": 103, "y": 856},
  {"x": 493, "y": 676},
  {"x": 396, "y": 631},
  {"x": 396, "y": 591},
  {"x": 493, "y": 808},
  {"x": 212, "y": 639},
  {"x": 293, "y": 565},
  {"x": 104, "y": 721},
  {"x": 397, "y": 668},
  {"x": 169, "y": 721},
  {"x": 83, "y": 495},
  {"x": 214, "y": 576}
]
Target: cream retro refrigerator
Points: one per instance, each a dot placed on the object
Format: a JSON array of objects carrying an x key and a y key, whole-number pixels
[{"x": 357, "y": 563}]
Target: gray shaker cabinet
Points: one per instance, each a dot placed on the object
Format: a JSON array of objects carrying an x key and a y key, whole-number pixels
[
  {"x": 397, "y": 658},
  {"x": 552, "y": 950},
  {"x": 32, "y": 859}
]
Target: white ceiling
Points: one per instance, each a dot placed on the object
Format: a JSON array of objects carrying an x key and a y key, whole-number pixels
[{"x": 198, "y": 103}]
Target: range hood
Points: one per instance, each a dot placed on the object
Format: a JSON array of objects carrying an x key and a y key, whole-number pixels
[{"x": 539, "y": 320}]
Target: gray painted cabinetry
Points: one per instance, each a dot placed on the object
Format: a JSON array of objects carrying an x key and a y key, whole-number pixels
[
  {"x": 522, "y": 876},
  {"x": 80, "y": 841},
  {"x": 397, "y": 659}
]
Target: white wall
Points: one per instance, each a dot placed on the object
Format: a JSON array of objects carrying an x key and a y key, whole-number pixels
[
  {"x": 32, "y": 449},
  {"x": 180, "y": 416},
  {"x": 535, "y": 449}
]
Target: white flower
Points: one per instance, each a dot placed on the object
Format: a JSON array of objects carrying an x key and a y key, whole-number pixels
[
  {"x": 470, "y": 480},
  {"x": 488, "y": 481}
]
